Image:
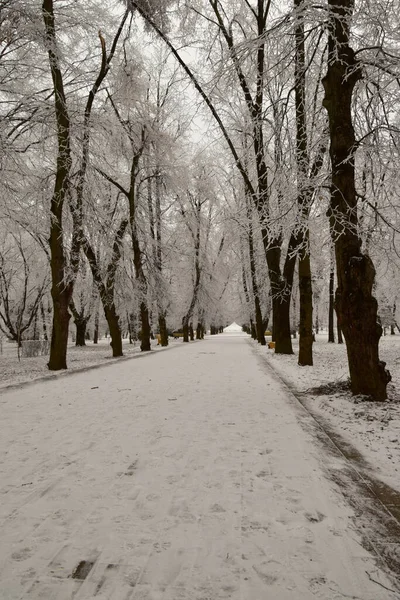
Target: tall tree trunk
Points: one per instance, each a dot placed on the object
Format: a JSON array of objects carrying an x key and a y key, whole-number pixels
[
  {"x": 306, "y": 309},
  {"x": 81, "y": 320},
  {"x": 197, "y": 274},
  {"x": 145, "y": 342},
  {"x": 155, "y": 231},
  {"x": 281, "y": 325},
  {"x": 185, "y": 329},
  {"x": 106, "y": 289},
  {"x": 44, "y": 324},
  {"x": 162, "y": 325},
  {"x": 254, "y": 284},
  {"x": 392, "y": 331},
  {"x": 80, "y": 331},
  {"x": 281, "y": 292},
  {"x": 96, "y": 324},
  {"x": 331, "y": 328},
  {"x": 304, "y": 196},
  {"x": 61, "y": 291},
  {"x": 244, "y": 281},
  {"x": 316, "y": 318},
  {"x": 294, "y": 322},
  {"x": 35, "y": 333},
  {"x": 356, "y": 307},
  {"x": 115, "y": 330}
]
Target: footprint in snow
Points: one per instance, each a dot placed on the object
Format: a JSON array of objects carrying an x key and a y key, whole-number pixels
[
  {"x": 22, "y": 554},
  {"x": 217, "y": 508},
  {"x": 316, "y": 517}
]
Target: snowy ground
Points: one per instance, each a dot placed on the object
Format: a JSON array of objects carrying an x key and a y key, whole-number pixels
[
  {"x": 14, "y": 370},
  {"x": 182, "y": 475},
  {"x": 373, "y": 428}
]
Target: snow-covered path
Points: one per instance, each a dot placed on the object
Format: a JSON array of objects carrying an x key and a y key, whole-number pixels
[{"x": 180, "y": 475}]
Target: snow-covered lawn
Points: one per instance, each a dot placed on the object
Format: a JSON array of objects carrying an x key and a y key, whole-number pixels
[
  {"x": 14, "y": 371},
  {"x": 185, "y": 475},
  {"x": 373, "y": 428}
]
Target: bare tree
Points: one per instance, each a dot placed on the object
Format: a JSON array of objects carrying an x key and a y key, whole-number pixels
[{"x": 356, "y": 307}]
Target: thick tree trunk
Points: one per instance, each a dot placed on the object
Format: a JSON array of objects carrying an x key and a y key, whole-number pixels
[
  {"x": 304, "y": 198},
  {"x": 259, "y": 322},
  {"x": 185, "y": 328},
  {"x": 145, "y": 344},
  {"x": 281, "y": 292},
  {"x": 115, "y": 329},
  {"x": 198, "y": 331},
  {"x": 80, "y": 332},
  {"x": 59, "y": 336},
  {"x": 356, "y": 307},
  {"x": 61, "y": 292},
  {"x": 162, "y": 325},
  {"x": 96, "y": 325},
  {"x": 244, "y": 280},
  {"x": 106, "y": 290},
  {"x": 81, "y": 321},
  {"x": 306, "y": 310},
  {"x": 331, "y": 328},
  {"x": 191, "y": 332},
  {"x": 253, "y": 273},
  {"x": 281, "y": 325}
]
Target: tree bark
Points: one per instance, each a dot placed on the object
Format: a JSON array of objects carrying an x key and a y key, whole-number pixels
[
  {"x": 254, "y": 284},
  {"x": 162, "y": 325},
  {"x": 81, "y": 320},
  {"x": 80, "y": 332},
  {"x": 115, "y": 329},
  {"x": 44, "y": 325},
  {"x": 61, "y": 291},
  {"x": 281, "y": 325},
  {"x": 306, "y": 309},
  {"x": 304, "y": 197},
  {"x": 355, "y": 305},
  {"x": 145, "y": 342},
  {"x": 106, "y": 289},
  {"x": 331, "y": 329},
  {"x": 96, "y": 324},
  {"x": 196, "y": 205}
]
